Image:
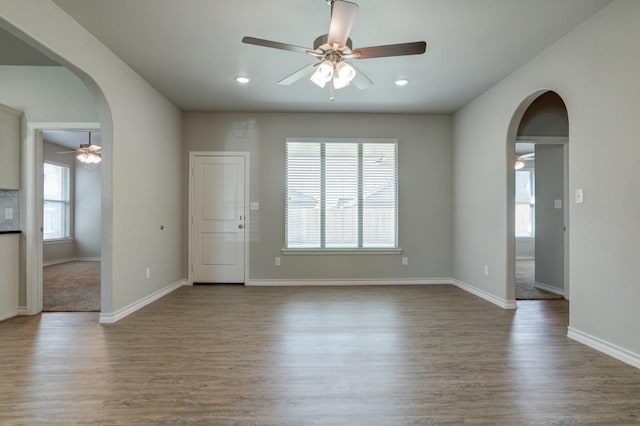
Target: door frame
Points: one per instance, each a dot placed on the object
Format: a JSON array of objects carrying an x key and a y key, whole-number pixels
[
  {"x": 32, "y": 165},
  {"x": 247, "y": 222},
  {"x": 564, "y": 141}
]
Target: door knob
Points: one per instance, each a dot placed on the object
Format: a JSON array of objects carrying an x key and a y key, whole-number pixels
[{"x": 240, "y": 226}]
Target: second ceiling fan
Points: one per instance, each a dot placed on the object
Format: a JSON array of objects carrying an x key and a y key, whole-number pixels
[{"x": 333, "y": 49}]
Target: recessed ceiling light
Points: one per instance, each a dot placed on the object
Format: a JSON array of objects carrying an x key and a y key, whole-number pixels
[
  {"x": 402, "y": 82},
  {"x": 243, "y": 80}
]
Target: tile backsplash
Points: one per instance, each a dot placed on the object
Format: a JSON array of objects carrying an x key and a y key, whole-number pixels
[{"x": 9, "y": 210}]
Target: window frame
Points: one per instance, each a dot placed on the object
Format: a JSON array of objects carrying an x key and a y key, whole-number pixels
[
  {"x": 347, "y": 250},
  {"x": 67, "y": 205}
]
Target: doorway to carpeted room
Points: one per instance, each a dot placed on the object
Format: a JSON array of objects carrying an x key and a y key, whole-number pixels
[
  {"x": 71, "y": 287},
  {"x": 526, "y": 288}
]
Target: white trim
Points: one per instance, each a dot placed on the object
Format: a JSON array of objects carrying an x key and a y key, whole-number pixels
[
  {"x": 605, "y": 347},
  {"x": 503, "y": 303},
  {"x": 347, "y": 282},
  {"x": 22, "y": 310},
  {"x": 31, "y": 161},
  {"x": 9, "y": 315},
  {"x": 108, "y": 318},
  {"x": 349, "y": 251},
  {"x": 343, "y": 140},
  {"x": 247, "y": 204},
  {"x": 70, "y": 259},
  {"x": 550, "y": 289}
]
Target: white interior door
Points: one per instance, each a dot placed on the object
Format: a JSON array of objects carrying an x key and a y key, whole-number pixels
[{"x": 218, "y": 209}]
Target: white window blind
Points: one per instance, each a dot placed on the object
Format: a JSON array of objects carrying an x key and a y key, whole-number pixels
[
  {"x": 341, "y": 194},
  {"x": 56, "y": 194}
]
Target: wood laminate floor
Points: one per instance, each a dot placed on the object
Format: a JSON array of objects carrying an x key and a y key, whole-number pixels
[{"x": 219, "y": 355}]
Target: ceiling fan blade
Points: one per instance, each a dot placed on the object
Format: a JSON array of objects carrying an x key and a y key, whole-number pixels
[
  {"x": 361, "y": 81},
  {"x": 75, "y": 151},
  {"x": 343, "y": 13},
  {"x": 401, "y": 49},
  {"x": 301, "y": 73},
  {"x": 273, "y": 44}
]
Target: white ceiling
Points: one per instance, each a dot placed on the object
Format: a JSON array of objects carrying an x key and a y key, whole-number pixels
[{"x": 190, "y": 50}]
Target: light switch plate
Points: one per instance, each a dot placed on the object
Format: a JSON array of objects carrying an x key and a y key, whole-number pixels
[
  {"x": 579, "y": 196},
  {"x": 557, "y": 204},
  {"x": 8, "y": 213}
]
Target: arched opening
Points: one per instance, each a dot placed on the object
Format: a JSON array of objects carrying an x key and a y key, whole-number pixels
[
  {"x": 31, "y": 256},
  {"x": 538, "y": 246}
]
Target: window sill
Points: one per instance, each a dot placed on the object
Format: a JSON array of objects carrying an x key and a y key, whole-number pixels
[
  {"x": 57, "y": 241},
  {"x": 348, "y": 251}
]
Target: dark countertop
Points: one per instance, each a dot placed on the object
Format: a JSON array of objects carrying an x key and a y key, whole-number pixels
[{"x": 17, "y": 231}]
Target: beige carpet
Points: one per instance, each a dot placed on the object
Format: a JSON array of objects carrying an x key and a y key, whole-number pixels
[
  {"x": 71, "y": 287},
  {"x": 525, "y": 283}
]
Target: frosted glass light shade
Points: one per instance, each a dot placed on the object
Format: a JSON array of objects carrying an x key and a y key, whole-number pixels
[
  {"x": 345, "y": 72},
  {"x": 323, "y": 73},
  {"x": 89, "y": 158}
]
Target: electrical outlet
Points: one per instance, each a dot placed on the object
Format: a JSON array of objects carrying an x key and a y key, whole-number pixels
[
  {"x": 405, "y": 260},
  {"x": 486, "y": 270},
  {"x": 277, "y": 261},
  {"x": 148, "y": 272}
]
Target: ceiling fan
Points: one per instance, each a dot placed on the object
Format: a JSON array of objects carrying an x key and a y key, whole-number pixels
[
  {"x": 87, "y": 153},
  {"x": 332, "y": 49}
]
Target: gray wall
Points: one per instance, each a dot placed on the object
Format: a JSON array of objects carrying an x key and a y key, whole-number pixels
[
  {"x": 87, "y": 214},
  {"x": 424, "y": 148},
  {"x": 549, "y": 246},
  {"x": 525, "y": 248},
  {"x": 594, "y": 68}
]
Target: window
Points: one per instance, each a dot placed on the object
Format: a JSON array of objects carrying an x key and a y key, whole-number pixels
[
  {"x": 525, "y": 203},
  {"x": 56, "y": 214},
  {"x": 341, "y": 194}
]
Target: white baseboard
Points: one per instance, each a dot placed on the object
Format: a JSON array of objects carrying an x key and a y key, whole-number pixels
[
  {"x": 550, "y": 289},
  {"x": 503, "y": 303},
  {"x": 9, "y": 315},
  {"x": 349, "y": 282},
  {"x": 108, "y": 318},
  {"x": 71, "y": 259},
  {"x": 605, "y": 347},
  {"x": 22, "y": 310}
]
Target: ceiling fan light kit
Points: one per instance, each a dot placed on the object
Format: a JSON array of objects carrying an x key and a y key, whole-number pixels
[
  {"x": 89, "y": 158},
  {"x": 331, "y": 49},
  {"x": 88, "y": 153}
]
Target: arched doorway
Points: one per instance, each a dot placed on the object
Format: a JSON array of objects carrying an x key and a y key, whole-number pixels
[
  {"x": 31, "y": 246},
  {"x": 538, "y": 199}
]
